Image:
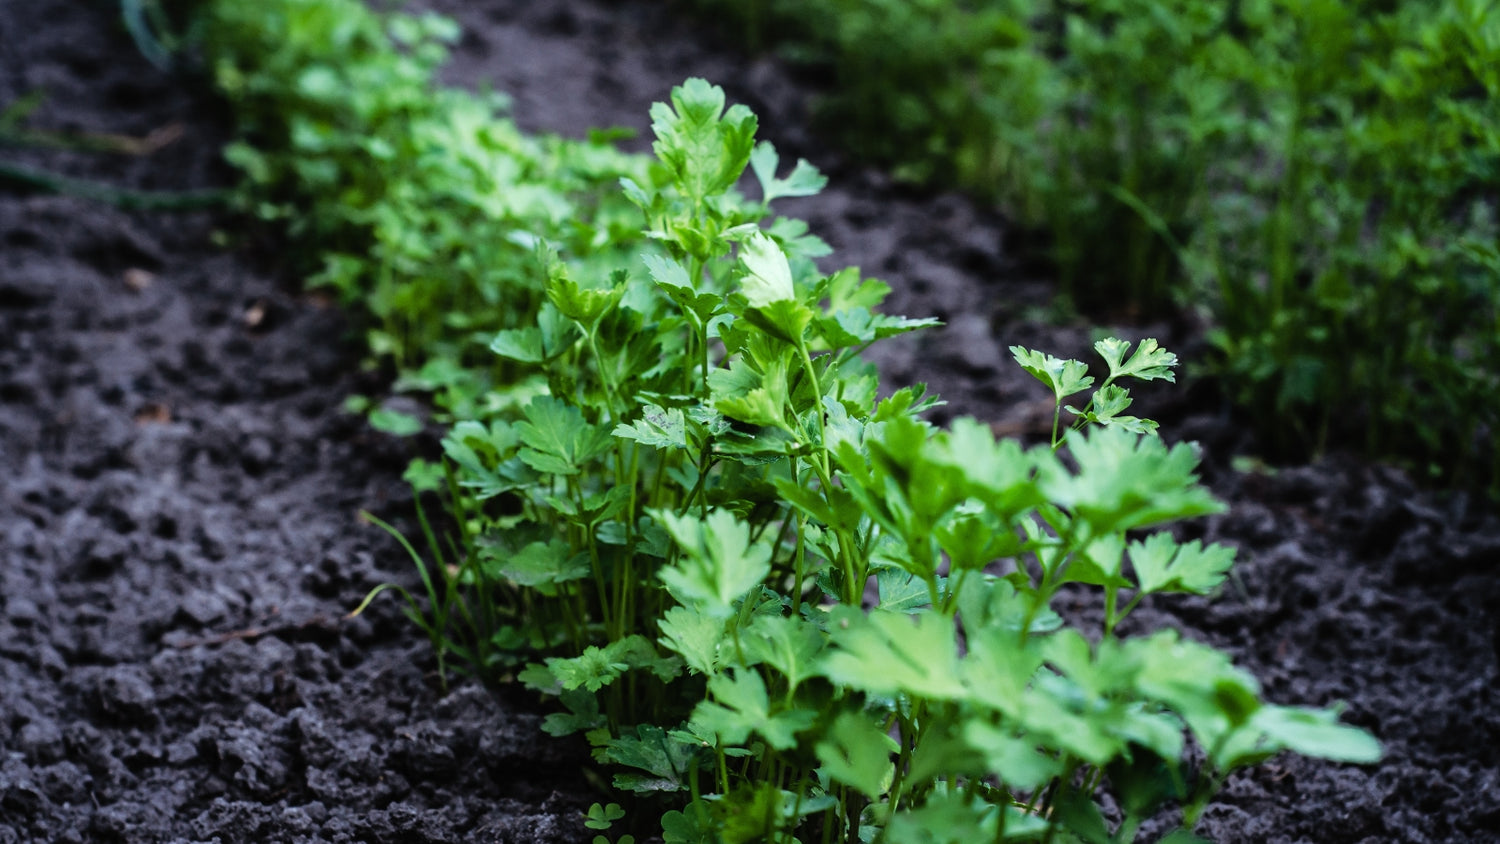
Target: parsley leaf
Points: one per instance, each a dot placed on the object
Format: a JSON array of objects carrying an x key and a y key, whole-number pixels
[{"x": 804, "y": 180}]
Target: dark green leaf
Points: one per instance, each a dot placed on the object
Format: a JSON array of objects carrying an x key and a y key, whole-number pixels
[
  {"x": 665, "y": 762},
  {"x": 541, "y": 563}
]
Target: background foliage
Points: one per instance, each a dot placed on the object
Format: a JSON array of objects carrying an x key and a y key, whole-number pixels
[{"x": 1317, "y": 177}]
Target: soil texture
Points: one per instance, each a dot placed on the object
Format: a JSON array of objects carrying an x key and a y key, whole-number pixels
[{"x": 180, "y": 490}]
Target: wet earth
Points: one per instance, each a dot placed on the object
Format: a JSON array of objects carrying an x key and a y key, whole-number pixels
[{"x": 180, "y": 492}]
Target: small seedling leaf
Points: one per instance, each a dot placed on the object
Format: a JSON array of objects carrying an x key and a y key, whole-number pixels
[
  {"x": 804, "y": 180},
  {"x": 1150, "y": 362},
  {"x": 1065, "y": 377}
]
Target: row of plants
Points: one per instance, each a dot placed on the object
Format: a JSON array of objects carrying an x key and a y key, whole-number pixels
[
  {"x": 1317, "y": 177},
  {"x": 779, "y": 604}
]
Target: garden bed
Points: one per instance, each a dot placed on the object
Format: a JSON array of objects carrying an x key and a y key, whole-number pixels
[{"x": 181, "y": 494}]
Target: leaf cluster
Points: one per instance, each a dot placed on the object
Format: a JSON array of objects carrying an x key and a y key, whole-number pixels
[
  {"x": 707, "y": 471},
  {"x": 778, "y": 603},
  {"x": 1314, "y": 177}
]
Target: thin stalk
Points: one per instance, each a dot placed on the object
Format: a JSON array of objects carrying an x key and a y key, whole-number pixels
[{"x": 799, "y": 556}]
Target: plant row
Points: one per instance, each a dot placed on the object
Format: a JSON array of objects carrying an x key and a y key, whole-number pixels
[
  {"x": 780, "y": 605},
  {"x": 1316, "y": 176}
]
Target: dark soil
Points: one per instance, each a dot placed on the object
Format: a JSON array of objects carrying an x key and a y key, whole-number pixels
[{"x": 179, "y": 495}]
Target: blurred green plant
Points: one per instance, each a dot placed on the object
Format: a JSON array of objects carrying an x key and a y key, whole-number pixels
[
  {"x": 1316, "y": 177},
  {"x": 416, "y": 204}
]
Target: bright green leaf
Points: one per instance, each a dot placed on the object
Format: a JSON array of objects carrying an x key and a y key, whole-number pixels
[
  {"x": 804, "y": 180},
  {"x": 658, "y": 427},
  {"x": 1065, "y": 377},
  {"x": 890, "y": 653},
  {"x": 768, "y": 277},
  {"x": 719, "y": 563},
  {"x": 1161, "y": 565}
]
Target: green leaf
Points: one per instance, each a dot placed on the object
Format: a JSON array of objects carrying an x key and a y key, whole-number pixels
[
  {"x": 1098, "y": 563},
  {"x": 1015, "y": 760},
  {"x": 945, "y": 818},
  {"x": 1145, "y": 780},
  {"x": 848, "y": 291},
  {"x": 559, "y": 441},
  {"x": 520, "y": 344},
  {"x": 471, "y": 444},
  {"x": 395, "y": 423},
  {"x": 768, "y": 276},
  {"x": 603, "y": 817},
  {"x": 999, "y": 668},
  {"x": 888, "y": 653},
  {"x": 994, "y": 603},
  {"x": 704, "y": 147},
  {"x": 1080, "y": 816},
  {"x": 757, "y": 812},
  {"x": 692, "y": 825},
  {"x": 637, "y": 652},
  {"x": 901, "y": 591},
  {"x": 1161, "y": 565},
  {"x": 739, "y": 392},
  {"x": 593, "y": 669},
  {"x": 805, "y": 180},
  {"x": 1065, "y": 377},
  {"x": 693, "y": 634},
  {"x": 973, "y": 541},
  {"x": 1109, "y": 402},
  {"x": 658, "y": 427},
  {"x": 583, "y": 305},
  {"x": 857, "y": 753},
  {"x": 1200, "y": 684},
  {"x": 582, "y": 715},
  {"x": 549, "y": 338},
  {"x": 739, "y": 707},
  {"x": 786, "y": 319},
  {"x": 1316, "y": 732},
  {"x": 541, "y": 563},
  {"x": 665, "y": 762},
  {"x": 668, "y": 273},
  {"x": 1126, "y": 481},
  {"x": 942, "y": 752},
  {"x": 719, "y": 563},
  {"x": 789, "y": 645},
  {"x": 1150, "y": 362},
  {"x": 1105, "y": 409},
  {"x": 672, "y": 277},
  {"x": 1000, "y": 474},
  {"x": 834, "y": 507},
  {"x": 424, "y": 475}
]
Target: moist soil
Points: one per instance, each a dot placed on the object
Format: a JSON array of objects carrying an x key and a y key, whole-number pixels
[{"x": 180, "y": 491}]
